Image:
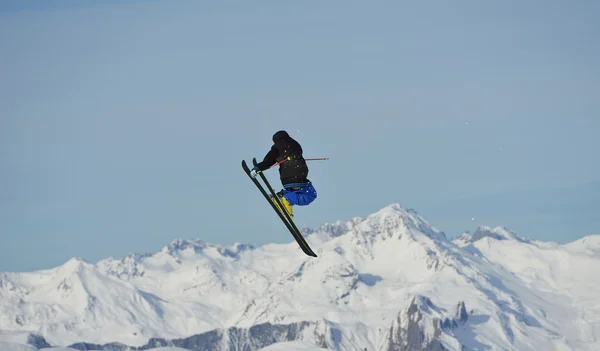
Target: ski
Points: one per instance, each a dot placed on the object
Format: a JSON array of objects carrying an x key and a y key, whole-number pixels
[
  {"x": 295, "y": 232},
  {"x": 287, "y": 220}
]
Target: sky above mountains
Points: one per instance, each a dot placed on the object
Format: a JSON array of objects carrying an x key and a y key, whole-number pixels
[{"x": 124, "y": 122}]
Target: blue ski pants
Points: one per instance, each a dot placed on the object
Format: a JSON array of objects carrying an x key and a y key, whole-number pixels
[{"x": 301, "y": 196}]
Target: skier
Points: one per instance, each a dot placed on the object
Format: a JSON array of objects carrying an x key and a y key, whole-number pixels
[{"x": 293, "y": 172}]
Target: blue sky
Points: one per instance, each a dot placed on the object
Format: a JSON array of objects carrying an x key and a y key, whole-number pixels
[{"x": 123, "y": 123}]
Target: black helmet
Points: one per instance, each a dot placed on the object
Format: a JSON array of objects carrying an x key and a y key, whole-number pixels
[{"x": 280, "y": 135}]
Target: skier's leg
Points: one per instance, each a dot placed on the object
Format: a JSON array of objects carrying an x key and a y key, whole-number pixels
[
  {"x": 300, "y": 196},
  {"x": 286, "y": 204}
]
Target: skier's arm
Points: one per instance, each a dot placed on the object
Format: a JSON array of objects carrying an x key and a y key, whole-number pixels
[{"x": 269, "y": 160}]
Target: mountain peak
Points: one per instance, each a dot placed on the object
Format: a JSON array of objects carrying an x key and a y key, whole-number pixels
[
  {"x": 394, "y": 208},
  {"x": 482, "y": 232},
  {"x": 588, "y": 244},
  {"x": 498, "y": 233},
  {"x": 178, "y": 245},
  {"x": 391, "y": 220},
  {"x": 397, "y": 215},
  {"x": 235, "y": 250},
  {"x": 73, "y": 265}
]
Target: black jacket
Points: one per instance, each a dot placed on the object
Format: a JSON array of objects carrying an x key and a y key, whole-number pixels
[{"x": 294, "y": 170}]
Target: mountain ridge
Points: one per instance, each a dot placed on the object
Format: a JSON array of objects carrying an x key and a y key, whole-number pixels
[{"x": 391, "y": 263}]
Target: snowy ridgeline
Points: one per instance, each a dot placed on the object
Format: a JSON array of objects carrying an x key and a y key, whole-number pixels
[
  {"x": 284, "y": 346},
  {"x": 386, "y": 282},
  {"x": 9, "y": 346}
]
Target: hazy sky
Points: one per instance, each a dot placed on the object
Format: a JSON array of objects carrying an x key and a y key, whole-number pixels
[{"x": 123, "y": 124}]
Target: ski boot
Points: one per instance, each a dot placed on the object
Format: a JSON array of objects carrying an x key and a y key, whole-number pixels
[{"x": 286, "y": 204}]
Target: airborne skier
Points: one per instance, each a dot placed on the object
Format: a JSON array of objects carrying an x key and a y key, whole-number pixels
[{"x": 293, "y": 171}]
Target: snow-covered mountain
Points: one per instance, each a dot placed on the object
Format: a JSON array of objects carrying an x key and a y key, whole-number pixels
[{"x": 389, "y": 281}]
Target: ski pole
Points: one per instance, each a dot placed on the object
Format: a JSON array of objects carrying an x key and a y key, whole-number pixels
[
  {"x": 306, "y": 159},
  {"x": 282, "y": 161},
  {"x": 317, "y": 159},
  {"x": 278, "y": 163}
]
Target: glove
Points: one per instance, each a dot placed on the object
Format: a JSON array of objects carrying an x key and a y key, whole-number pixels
[{"x": 254, "y": 172}]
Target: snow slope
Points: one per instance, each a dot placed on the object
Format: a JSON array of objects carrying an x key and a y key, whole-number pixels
[
  {"x": 389, "y": 281},
  {"x": 8, "y": 346},
  {"x": 293, "y": 346}
]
